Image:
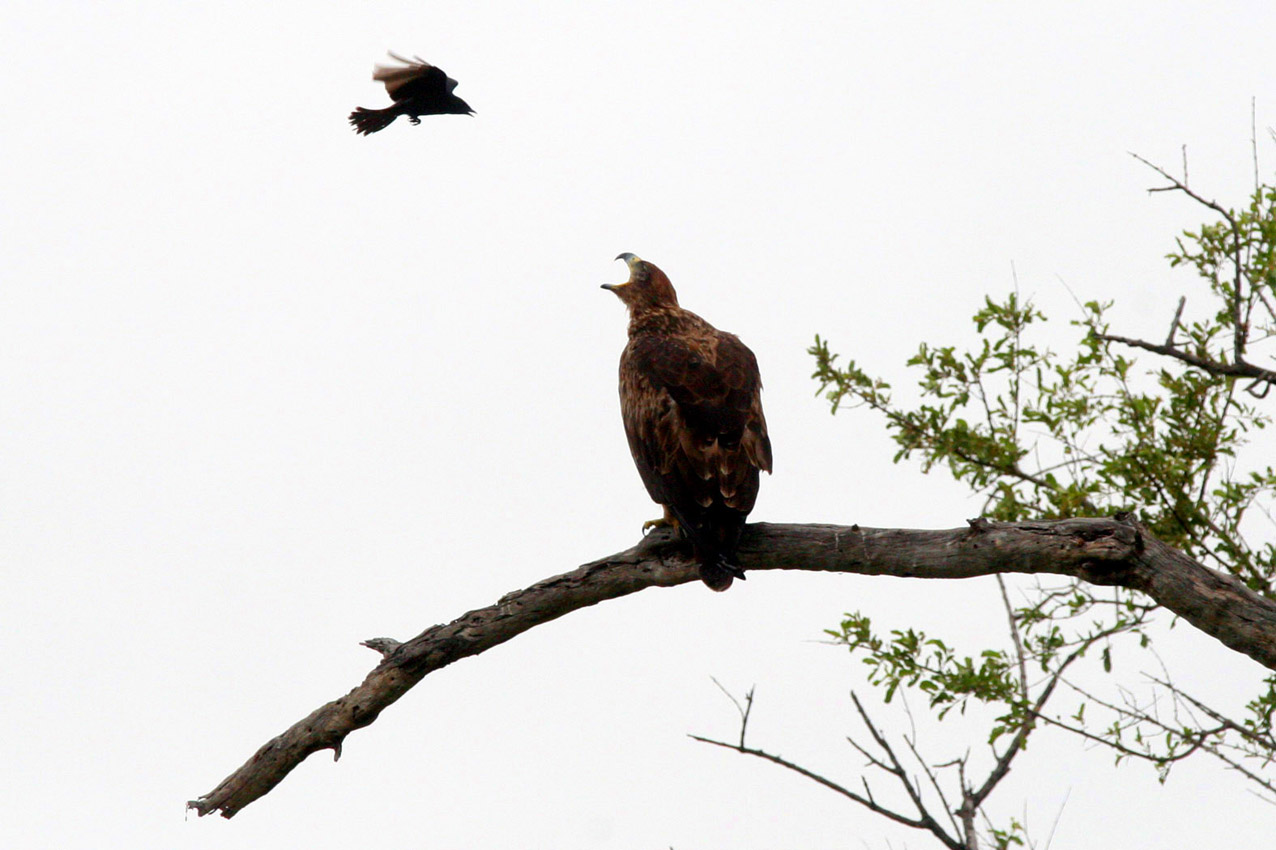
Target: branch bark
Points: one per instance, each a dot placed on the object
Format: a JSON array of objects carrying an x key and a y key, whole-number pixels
[{"x": 1100, "y": 551}]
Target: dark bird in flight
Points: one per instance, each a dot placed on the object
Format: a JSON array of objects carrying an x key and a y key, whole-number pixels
[
  {"x": 691, "y": 399},
  {"x": 417, "y": 88}
]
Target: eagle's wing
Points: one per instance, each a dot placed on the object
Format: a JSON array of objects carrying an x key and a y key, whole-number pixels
[{"x": 693, "y": 414}]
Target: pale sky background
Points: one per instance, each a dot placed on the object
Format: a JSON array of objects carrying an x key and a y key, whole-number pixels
[{"x": 270, "y": 388}]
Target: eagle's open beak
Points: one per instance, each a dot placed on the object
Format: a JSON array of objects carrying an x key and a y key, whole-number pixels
[{"x": 630, "y": 260}]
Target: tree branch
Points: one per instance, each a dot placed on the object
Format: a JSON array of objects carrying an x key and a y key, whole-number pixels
[
  {"x": 975, "y": 798},
  {"x": 1239, "y": 369},
  {"x": 924, "y": 819},
  {"x": 865, "y": 801},
  {"x": 1239, "y": 305},
  {"x": 1101, "y": 551}
]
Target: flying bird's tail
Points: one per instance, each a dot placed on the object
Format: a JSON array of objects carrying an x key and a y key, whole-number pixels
[{"x": 367, "y": 121}]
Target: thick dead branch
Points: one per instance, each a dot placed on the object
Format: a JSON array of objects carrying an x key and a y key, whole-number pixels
[{"x": 1100, "y": 551}]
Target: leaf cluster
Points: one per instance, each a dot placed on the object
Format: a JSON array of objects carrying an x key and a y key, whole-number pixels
[{"x": 911, "y": 659}]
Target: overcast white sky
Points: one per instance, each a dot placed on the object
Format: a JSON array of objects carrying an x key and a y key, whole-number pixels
[{"x": 270, "y": 388}]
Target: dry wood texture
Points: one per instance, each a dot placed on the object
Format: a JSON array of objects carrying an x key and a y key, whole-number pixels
[{"x": 1100, "y": 551}]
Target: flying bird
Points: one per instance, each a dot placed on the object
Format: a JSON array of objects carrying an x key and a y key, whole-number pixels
[
  {"x": 691, "y": 400},
  {"x": 417, "y": 88}
]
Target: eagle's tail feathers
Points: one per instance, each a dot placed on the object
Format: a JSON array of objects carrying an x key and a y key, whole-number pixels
[
  {"x": 719, "y": 574},
  {"x": 714, "y": 538}
]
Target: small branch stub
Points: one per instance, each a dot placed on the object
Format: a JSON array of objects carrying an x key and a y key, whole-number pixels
[{"x": 383, "y": 645}]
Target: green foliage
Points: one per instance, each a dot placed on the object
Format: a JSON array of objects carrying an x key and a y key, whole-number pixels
[
  {"x": 1046, "y": 435},
  {"x": 910, "y": 658},
  {"x": 1013, "y": 836}
]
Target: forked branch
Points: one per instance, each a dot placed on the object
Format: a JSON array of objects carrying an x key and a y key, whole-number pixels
[{"x": 889, "y": 763}]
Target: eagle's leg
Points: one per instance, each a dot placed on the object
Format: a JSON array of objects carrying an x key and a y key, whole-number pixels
[
  {"x": 414, "y": 119},
  {"x": 666, "y": 521}
]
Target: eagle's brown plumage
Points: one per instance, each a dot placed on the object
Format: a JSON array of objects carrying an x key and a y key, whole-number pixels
[{"x": 691, "y": 399}]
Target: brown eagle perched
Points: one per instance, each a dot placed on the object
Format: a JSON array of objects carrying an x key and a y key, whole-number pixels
[
  {"x": 417, "y": 88},
  {"x": 691, "y": 399}
]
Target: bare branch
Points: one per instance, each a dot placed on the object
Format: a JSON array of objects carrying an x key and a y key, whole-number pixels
[
  {"x": 1264, "y": 741},
  {"x": 927, "y": 820},
  {"x": 1177, "y": 186},
  {"x": 744, "y": 710},
  {"x": 1239, "y": 369},
  {"x": 934, "y": 783},
  {"x": 966, "y": 811},
  {"x": 1100, "y": 551},
  {"x": 1253, "y": 139},
  {"x": 1240, "y": 328},
  {"x": 865, "y": 801},
  {"x": 1174, "y": 325},
  {"x": 1205, "y": 740},
  {"x": 975, "y": 798},
  {"x": 1014, "y": 636},
  {"x": 872, "y": 759}
]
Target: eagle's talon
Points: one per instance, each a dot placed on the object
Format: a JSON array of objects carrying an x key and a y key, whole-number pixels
[
  {"x": 652, "y": 524},
  {"x": 666, "y": 521}
]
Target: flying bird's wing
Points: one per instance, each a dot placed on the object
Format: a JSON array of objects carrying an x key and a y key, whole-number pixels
[
  {"x": 415, "y": 78},
  {"x": 417, "y": 88}
]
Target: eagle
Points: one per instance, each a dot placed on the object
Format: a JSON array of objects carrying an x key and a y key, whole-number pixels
[
  {"x": 691, "y": 400},
  {"x": 417, "y": 88}
]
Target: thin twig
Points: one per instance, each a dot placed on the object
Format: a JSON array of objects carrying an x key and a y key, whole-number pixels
[
  {"x": 1239, "y": 326},
  {"x": 1014, "y": 636},
  {"x": 924, "y": 822},
  {"x": 1197, "y": 740},
  {"x": 1058, "y": 815},
  {"x": 1265, "y": 741},
  {"x": 1174, "y": 325},
  {"x": 744, "y": 710},
  {"x": 1253, "y": 140},
  {"x": 934, "y": 783}
]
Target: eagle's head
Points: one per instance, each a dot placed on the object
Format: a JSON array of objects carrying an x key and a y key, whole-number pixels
[{"x": 647, "y": 288}]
